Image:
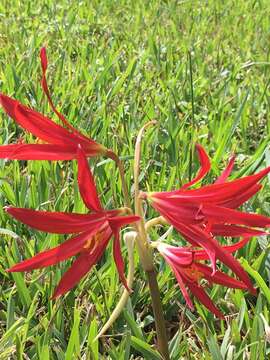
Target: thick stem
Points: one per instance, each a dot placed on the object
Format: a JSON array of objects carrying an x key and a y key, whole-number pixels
[
  {"x": 145, "y": 253},
  {"x": 158, "y": 314}
]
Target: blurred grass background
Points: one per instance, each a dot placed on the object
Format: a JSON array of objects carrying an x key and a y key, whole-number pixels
[{"x": 201, "y": 68}]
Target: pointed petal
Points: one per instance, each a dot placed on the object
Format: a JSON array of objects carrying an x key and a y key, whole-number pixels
[
  {"x": 87, "y": 143},
  {"x": 180, "y": 282},
  {"x": 242, "y": 198},
  {"x": 82, "y": 265},
  {"x": 234, "y": 230},
  {"x": 196, "y": 236},
  {"x": 57, "y": 222},
  {"x": 180, "y": 256},
  {"x": 41, "y": 152},
  {"x": 205, "y": 167},
  {"x": 218, "y": 214},
  {"x": 201, "y": 295},
  {"x": 37, "y": 152},
  {"x": 119, "y": 221},
  {"x": 86, "y": 183},
  {"x": 187, "y": 211},
  {"x": 202, "y": 255},
  {"x": 53, "y": 256},
  {"x": 118, "y": 259},
  {"x": 44, "y": 65},
  {"x": 220, "y": 277},
  {"x": 214, "y": 193},
  {"x": 227, "y": 172},
  {"x": 36, "y": 123}
]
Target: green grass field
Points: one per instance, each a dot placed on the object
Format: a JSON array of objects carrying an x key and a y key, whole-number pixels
[{"x": 201, "y": 69}]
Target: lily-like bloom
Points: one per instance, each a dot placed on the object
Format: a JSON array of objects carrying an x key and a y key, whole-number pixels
[
  {"x": 189, "y": 271},
  {"x": 61, "y": 141},
  {"x": 93, "y": 232},
  {"x": 209, "y": 211}
]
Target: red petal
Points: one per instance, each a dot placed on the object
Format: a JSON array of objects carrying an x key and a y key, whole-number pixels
[
  {"x": 118, "y": 259},
  {"x": 187, "y": 211},
  {"x": 204, "y": 298},
  {"x": 46, "y": 130},
  {"x": 219, "y": 277},
  {"x": 242, "y": 198},
  {"x": 205, "y": 166},
  {"x": 218, "y": 214},
  {"x": 179, "y": 256},
  {"x": 37, "y": 152},
  {"x": 198, "y": 237},
  {"x": 81, "y": 266},
  {"x": 234, "y": 230},
  {"x": 119, "y": 221},
  {"x": 215, "y": 193},
  {"x": 36, "y": 123},
  {"x": 53, "y": 256},
  {"x": 180, "y": 281},
  {"x": 86, "y": 183},
  {"x": 202, "y": 255},
  {"x": 227, "y": 172},
  {"x": 44, "y": 65},
  {"x": 41, "y": 152},
  {"x": 57, "y": 222}
]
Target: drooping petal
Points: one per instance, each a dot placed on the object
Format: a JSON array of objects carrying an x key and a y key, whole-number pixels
[
  {"x": 219, "y": 277},
  {"x": 86, "y": 183},
  {"x": 197, "y": 237},
  {"x": 205, "y": 167},
  {"x": 118, "y": 259},
  {"x": 53, "y": 256},
  {"x": 81, "y": 266},
  {"x": 183, "y": 258},
  {"x": 57, "y": 222},
  {"x": 202, "y": 255},
  {"x": 180, "y": 282},
  {"x": 36, "y": 123},
  {"x": 227, "y": 172},
  {"x": 201, "y": 295}
]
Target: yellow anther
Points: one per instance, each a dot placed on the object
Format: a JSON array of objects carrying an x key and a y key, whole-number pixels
[
  {"x": 193, "y": 273},
  {"x": 92, "y": 241}
]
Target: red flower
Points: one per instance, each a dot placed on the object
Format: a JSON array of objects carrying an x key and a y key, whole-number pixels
[
  {"x": 185, "y": 263},
  {"x": 201, "y": 214},
  {"x": 61, "y": 142},
  {"x": 93, "y": 233}
]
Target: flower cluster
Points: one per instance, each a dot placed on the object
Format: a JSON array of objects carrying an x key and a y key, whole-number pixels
[
  {"x": 94, "y": 230},
  {"x": 200, "y": 215}
]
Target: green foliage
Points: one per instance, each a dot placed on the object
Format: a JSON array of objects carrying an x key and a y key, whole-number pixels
[{"x": 113, "y": 66}]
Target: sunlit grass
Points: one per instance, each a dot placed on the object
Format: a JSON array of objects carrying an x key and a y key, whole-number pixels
[{"x": 113, "y": 66}]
